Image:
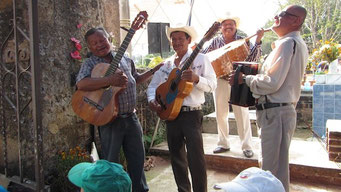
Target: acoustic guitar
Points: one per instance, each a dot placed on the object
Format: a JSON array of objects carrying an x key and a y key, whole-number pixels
[
  {"x": 100, "y": 107},
  {"x": 170, "y": 94}
]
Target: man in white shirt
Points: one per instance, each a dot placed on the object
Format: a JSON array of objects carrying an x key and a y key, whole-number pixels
[
  {"x": 277, "y": 88},
  {"x": 184, "y": 132}
]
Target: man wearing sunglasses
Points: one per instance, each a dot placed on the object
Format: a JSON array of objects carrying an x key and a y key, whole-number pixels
[{"x": 277, "y": 89}]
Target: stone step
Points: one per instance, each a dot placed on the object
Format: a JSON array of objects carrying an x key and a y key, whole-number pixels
[
  {"x": 210, "y": 123},
  {"x": 309, "y": 160}
]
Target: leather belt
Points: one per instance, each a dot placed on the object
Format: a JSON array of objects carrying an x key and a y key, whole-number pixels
[
  {"x": 263, "y": 106},
  {"x": 187, "y": 108},
  {"x": 125, "y": 115}
]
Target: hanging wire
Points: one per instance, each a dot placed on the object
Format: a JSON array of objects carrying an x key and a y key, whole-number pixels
[
  {"x": 158, "y": 5},
  {"x": 190, "y": 13}
]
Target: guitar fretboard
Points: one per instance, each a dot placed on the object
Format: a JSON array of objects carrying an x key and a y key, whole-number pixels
[
  {"x": 116, "y": 60},
  {"x": 189, "y": 61}
]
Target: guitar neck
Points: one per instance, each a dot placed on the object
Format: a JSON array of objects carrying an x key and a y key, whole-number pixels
[
  {"x": 116, "y": 60},
  {"x": 190, "y": 59},
  {"x": 192, "y": 56}
]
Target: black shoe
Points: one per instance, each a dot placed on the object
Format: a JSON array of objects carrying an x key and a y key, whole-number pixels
[
  {"x": 248, "y": 153},
  {"x": 220, "y": 150}
]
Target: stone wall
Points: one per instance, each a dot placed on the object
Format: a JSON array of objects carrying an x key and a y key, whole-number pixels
[{"x": 58, "y": 22}]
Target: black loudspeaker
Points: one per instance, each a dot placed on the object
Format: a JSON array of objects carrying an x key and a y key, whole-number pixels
[{"x": 157, "y": 38}]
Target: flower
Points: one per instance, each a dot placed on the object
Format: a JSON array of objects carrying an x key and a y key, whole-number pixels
[
  {"x": 78, "y": 46},
  {"x": 75, "y": 40},
  {"x": 76, "y": 55},
  {"x": 79, "y": 25},
  {"x": 326, "y": 53}
]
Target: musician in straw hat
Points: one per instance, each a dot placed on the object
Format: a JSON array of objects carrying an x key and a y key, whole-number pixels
[
  {"x": 229, "y": 26},
  {"x": 184, "y": 137},
  {"x": 278, "y": 89}
]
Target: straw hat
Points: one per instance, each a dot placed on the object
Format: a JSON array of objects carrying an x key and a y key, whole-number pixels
[
  {"x": 234, "y": 18},
  {"x": 187, "y": 29}
]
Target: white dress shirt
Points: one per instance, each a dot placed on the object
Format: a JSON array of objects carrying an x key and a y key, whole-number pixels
[{"x": 200, "y": 66}]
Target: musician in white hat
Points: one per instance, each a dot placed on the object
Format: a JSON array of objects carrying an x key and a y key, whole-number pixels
[
  {"x": 229, "y": 26},
  {"x": 278, "y": 89},
  {"x": 184, "y": 136}
]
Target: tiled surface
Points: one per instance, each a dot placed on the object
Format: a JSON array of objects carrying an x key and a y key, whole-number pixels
[{"x": 326, "y": 105}]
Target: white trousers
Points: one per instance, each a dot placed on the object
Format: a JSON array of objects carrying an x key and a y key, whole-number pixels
[{"x": 221, "y": 102}]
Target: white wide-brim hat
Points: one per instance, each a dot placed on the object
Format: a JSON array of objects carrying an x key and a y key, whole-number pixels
[
  {"x": 187, "y": 29},
  {"x": 234, "y": 18}
]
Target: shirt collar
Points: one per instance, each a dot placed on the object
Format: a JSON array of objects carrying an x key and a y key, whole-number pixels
[
  {"x": 187, "y": 54},
  {"x": 291, "y": 34}
]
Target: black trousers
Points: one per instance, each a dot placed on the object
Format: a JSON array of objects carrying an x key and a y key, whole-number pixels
[
  {"x": 126, "y": 132},
  {"x": 185, "y": 132}
]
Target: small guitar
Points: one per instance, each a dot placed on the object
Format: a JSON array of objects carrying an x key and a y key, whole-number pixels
[
  {"x": 170, "y": 94},
  {"x": 101, "y": 106}
]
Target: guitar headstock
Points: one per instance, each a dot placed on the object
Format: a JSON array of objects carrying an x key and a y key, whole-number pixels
[
  {"x": 139, "y": 20},
  {"x": 213, "y": 29}
]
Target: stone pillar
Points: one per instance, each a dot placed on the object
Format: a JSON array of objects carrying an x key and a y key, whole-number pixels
[{"x": 124, "y": 20}]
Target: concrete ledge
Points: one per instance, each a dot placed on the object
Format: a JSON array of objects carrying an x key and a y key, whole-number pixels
[
  {"x": 210, "y": 123},
  {"x": 308, "y": 159}
]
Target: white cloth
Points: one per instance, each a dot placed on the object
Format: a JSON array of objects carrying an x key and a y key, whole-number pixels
[
  {"x": 200, "y": 66},
  {"x": 280, "y": 76},
  {"x": 221, "y": 98}
]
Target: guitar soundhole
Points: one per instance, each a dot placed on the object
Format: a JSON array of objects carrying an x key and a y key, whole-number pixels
[{"x": 173, "y": 86}]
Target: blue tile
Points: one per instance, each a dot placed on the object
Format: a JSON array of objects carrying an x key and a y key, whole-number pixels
[
  {"x": 337, "y": 106},
  {"x": 327, "y": 116},
  {"x": 329, "y": 106},
  {"x": 337, "y": 116},
  {"x": 317, "y": 91},
  {"x": 318, "y": 105},
  {"x": 329, "y": 92},
  {"x": 337, "y": 91},
  {"x": 318, "y": 119},
  {"x": 320, "y": 131}
]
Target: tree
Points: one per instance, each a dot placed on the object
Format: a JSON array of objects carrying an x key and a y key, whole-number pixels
[{"x": 323, "y": 21}]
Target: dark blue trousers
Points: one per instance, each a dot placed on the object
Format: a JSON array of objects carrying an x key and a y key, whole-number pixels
[{"x": 126, "y": 132}]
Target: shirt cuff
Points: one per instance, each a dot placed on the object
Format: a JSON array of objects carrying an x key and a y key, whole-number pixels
[{"x": 247, "y": 80}]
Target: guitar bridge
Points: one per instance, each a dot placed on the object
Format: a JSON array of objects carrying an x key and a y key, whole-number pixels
[{"x": 93, "y": 103}]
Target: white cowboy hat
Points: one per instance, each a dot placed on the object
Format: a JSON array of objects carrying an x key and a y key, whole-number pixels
[
  {"x": 234, "y": 18},
  {"x": 187, "y": 29}
]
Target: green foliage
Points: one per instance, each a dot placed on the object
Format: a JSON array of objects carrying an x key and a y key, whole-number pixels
[
  {"x": 151, "y": 60},
  {"x": 327, "y": 52},
  {"x": 268, "y": 38},
  {"x": 323, "y": 21},
  {"x": 159, "y": 137},
  {"x": 241, "y": 33}
]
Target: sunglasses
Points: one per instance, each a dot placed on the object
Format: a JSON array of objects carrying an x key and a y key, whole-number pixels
[{"x": 284, "y": 13}]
